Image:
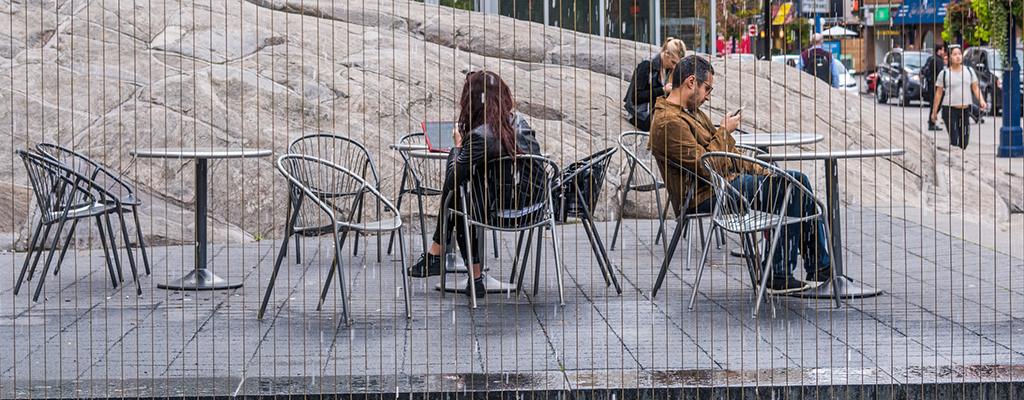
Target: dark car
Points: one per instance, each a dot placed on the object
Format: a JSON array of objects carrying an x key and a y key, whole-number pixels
[
  {"x": 988, "y": 64},
  {"x": 899, "y": 76}
]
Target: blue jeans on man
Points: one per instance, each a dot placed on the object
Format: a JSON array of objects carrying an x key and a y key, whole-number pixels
[{"x": 808, "y": 239}]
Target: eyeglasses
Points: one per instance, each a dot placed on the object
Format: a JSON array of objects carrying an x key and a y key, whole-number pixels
[{"x": 707, "y": 86}]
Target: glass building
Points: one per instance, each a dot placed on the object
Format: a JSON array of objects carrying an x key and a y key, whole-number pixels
[{"x": 645, "y": 21}]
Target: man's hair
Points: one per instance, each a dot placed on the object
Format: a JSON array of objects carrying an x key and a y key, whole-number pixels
[
  {"x": 691, "y": 65},
  {"x": 817, "y": 38},
  {"x": 939, "y": 46}
]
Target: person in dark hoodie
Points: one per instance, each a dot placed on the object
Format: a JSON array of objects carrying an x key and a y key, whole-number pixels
[
  {"x": 651, "y": 81},
  {"x": 488, "y": 128}
]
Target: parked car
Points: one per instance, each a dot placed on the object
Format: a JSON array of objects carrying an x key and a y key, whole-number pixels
[
  {"x": 899, "y": 76},
  {"x": 846, "y": 79},
  {"x": 988, "y": 64}
]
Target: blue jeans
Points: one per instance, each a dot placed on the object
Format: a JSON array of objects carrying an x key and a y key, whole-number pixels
[{"x": 808, "y": 238}]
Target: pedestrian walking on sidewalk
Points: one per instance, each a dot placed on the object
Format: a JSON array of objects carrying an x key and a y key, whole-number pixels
[
  {"x": 958, "y": 83},
  {"x": 935, "y": 64}
]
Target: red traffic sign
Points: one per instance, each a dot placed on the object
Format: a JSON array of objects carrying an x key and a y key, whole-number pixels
[{"x": 752, "y": 30}]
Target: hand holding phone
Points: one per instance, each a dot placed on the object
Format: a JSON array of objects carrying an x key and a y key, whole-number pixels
[{"x": 738, "y": 111}]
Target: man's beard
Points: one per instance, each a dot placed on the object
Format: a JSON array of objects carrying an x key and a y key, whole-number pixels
[{"x": 693, "y": 102}]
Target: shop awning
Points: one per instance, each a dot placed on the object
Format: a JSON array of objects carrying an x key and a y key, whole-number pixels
[{"x": 784, "y": 14}]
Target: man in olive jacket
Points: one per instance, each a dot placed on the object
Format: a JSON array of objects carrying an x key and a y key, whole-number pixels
[{"x": 681, "y": 132}]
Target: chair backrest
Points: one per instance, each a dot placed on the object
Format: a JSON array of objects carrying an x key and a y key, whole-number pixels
[
  {"x": 335, "y": 191},
  {"x": 88, "y": 167},
  {"x": 342, "y": 151},
  {"x": 764, "y": 201},
  {"x": 513, "y": 192},
  {"x": 57, "y": 188},
  {"x": 426, "y": 173},
  {"x": 580, "y": 185},
  {"x": 639, "y": 159}
]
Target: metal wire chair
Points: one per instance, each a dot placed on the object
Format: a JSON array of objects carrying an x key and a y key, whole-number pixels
[
  {"x": 641, "y": 178},
  {"x": 735, "y": 213},
  {"x": 63, "y": 195},
  {"x": 513, "y": 195},
  {"x": 125, "y": 198},
  {"x": 576, "y": 193},
  {"x": 420, "y": 177},
  {"x": 338, "y": 194},
  {"x": 345, "y": 152}
]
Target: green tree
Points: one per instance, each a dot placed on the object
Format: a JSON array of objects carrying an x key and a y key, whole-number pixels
[{"x": 981, "y": 21}]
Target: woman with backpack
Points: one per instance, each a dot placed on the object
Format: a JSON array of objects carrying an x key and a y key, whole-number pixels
[
  {"x": 650, "y": 81},
  {"x": 959, "y": 83}
]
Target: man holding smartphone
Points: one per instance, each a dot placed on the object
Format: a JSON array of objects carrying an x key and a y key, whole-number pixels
[{"x": 682, "y": 133}]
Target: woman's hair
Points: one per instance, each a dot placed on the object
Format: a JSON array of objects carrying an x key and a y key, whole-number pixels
[
  {"x": 674, "y": 46},
  {"x": 487, "y": 100}
]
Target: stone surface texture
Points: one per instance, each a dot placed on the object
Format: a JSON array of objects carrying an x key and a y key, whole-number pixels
[{"x": 106, "y": 77}]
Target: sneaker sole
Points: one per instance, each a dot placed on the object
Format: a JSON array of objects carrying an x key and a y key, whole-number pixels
[{"x": 787, "y": 291}]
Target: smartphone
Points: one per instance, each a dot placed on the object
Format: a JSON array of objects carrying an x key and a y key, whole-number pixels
[{"x": 737, "y": 112}]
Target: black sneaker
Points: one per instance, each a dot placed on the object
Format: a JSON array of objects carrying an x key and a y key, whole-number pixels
[
  {"x": 787, "y": 285},
  {"x": 481, "y": 289},
  {"x": 934, "y": 127},
  {"x": 819, "y": 275},
  {"x": 427, "y": 265}
]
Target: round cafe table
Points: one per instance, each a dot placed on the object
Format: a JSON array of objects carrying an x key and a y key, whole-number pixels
[
  {"x": 765, "y": 140},
  {"x": 846, "y": 288},
  {"x": 201, "y": 278}
]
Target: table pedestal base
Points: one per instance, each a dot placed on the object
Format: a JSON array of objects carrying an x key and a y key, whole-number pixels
[
  {"x": 847, "y": 290},
  {"x": 492, "y": 285},
  {"x": 200, "y": 279}
]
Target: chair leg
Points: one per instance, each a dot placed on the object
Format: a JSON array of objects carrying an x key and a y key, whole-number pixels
[
  {"x": 281, "y": 254},
  {"x": 142, "y": 240},
  {"x": 662, "y": 216},
  {"x": 608, "y": 269},
  {"x": 689, "y": 241},
  {"x": 766, "y": 269},
  {"x": 597, "y": 253},
  {"x": 558, "y": 265},
  {"x": 832, "y": 270},
  {"x": 444, "y": 250},
  {"x": 398, "y": 206},
  {"x": 38, "y": 253},
  {"x": 537, "y": 260},
  {"x": 520, "y": 236},
  {"x": 618, "y": 219},
  {"x": 700, "y": 270},
  {"x": 676, "y": 234},
  {"x": 28, "y": 256},
  {"x": 494, "y": 239},
  {"x": 359, "y": 219},
  {"x": 405, "y": 275},
  {"x": 335, "y": 262},
  {"x": 106, "y": 251},
  {"x": 469, "y": 251},
  {"x": 64, "y": 248},
  {"x": 128, "y": 250},
  {"x": 526, "y": 257},
  {"x": 113, "y": 249},
  {"x": 49, "y": 258},
  {"x": 423, "y": 224}
]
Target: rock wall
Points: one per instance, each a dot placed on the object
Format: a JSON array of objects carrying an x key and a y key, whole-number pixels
[{"x": 106, "y": 77}]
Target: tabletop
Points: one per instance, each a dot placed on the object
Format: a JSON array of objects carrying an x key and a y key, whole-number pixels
[
  {"x": 200, "y": 152},
  {"x": 428, "y": 155},
  {"x": 777, "y": 139},
  {"x": 408, "y": 147},
  {"x": 831, "y": 155}
]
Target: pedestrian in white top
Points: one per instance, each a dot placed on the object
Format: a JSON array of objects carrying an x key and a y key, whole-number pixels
[{"x": 959, "y": 83}]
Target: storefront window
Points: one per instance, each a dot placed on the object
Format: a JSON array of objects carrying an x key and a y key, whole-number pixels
[
  {"x": 579, "y": 15},
  {"x": 679, "y": 19},
  {"x": 629, "y": 19},
  {"x": 528, "y": 10}
]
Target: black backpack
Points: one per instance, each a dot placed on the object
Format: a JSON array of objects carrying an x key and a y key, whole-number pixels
[{"x": 818, "y": 62}]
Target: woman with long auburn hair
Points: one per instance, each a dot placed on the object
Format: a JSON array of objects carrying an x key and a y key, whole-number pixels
[{"x": 487, "y": 128}]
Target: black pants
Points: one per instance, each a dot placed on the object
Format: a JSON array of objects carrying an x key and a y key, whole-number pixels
[
  {"x": 455, "y": 222},
  {"x": 958, "y": 124}
]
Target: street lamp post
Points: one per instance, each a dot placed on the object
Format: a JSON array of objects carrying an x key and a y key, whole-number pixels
[
  {"x": 1011, "y": 142},
  {"x": 765, "y": 42}
]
